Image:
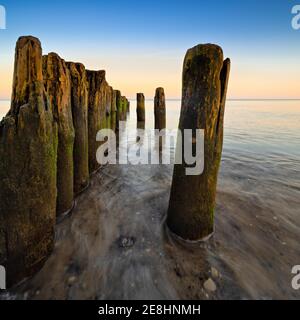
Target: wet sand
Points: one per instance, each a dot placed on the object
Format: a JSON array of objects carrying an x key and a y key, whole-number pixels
[{"x": 115, "y": 246}]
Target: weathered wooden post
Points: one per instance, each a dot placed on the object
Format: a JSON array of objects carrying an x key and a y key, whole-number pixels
[
  {"x": 160, "y": 109},
  {"x": 140, "y": 107},
  {"x": 192, "y": 200},
  {"x": 124, "y": 108},
  {"x": 28, "y": 152},
  {"x": 113, "y": 110},
  {"x": 108, "y": 106},
  {"x": 128, "y": 106},
  {"x": 79, "y": 95},
  {"x": 58, "y": 87},
  {"x": 96, "y": 114},
  {"x": 118, "y": 107}
]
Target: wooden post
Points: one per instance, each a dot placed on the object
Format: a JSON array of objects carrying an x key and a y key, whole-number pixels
[
  {"x": 140, "y": 107},
  {"x": 192, "y": 200},
  {"x": 160, "y": 109},
  {"x": 58, "y": 87},
  {"x": 28, "y": 154},
  {"x": 79, "y": 95}
]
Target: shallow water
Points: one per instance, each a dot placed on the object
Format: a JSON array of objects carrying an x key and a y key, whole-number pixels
[{"x": 115, "y": 245}]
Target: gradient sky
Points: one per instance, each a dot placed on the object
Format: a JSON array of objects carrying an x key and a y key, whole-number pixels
[{"x": 141, "y": 44}]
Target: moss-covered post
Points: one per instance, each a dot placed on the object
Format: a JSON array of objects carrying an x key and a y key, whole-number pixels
[
  {"x": 108, "y": 106},
  {"x": 160, "y": 109},
  {"x": 79, "y": 96},
  {"x": 28, "y": 150},
  {"x": 96, "y": 114},
  {"x": 124, "y": 108},
  {"x": 119, "y": 107},
  {"x": 140, "y": 107},
  {"x": 128, "y": 106},
  {"x": 192, "y": 200},
  {"x": 113, "y": 110},
  {"x": 58, "y": 87}
]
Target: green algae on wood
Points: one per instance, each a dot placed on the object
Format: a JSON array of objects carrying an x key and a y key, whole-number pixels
[
  {"x": 113, "y": 110},
  {"x": 127, "y": 107},
  {"x": 192, "y": 199},
  {"x": 119, "y": 107},
  {"x": 108, "y": 105},
  {"x": 58, "y": 87},
  {"x": 96, "y": 113},
  {"x": 28, "y": 159},
  {"x": 124, "y": 108},
  {"x": 79, "y": 101}
]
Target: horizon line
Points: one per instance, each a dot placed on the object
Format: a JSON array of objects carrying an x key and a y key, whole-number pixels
[
  {"x": 233, "y": 99},
  {"x": 229, "y": 99}
]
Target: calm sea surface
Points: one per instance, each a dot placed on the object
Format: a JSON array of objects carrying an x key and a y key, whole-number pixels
[{"x": 261, "y": 137}]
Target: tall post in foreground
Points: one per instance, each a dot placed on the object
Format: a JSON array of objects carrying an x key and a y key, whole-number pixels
[
  {"x": 192, "y": 200},
  {"x": 160, "y": 109},
  {"x": 140, "y": 107},
  {"x": 28, "y": 148}
]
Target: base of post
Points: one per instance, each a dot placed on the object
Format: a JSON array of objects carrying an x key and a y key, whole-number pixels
[
  {"x": 83, "y": 189},
  {"x": 98, "y": 169},
  {"x": 66, "y": 214},
  {"x": 187, "y": 241}
]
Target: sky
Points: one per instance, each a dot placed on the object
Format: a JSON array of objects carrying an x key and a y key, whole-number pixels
[{"x": 142, "y": 44}]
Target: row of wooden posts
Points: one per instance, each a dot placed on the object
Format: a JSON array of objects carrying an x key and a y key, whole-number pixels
[
  {"x": 48, "y": 147},
  {"x": 159, "y": 108},
  {"x": 48, "y": 150}
]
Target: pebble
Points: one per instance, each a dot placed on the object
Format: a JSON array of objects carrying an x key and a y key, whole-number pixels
[
  {"x": 209, "y": 285},
  {"x": 71, "y": 280},
  {"x": 126, "y": 242},
  {"x": 214, "y": 272}
]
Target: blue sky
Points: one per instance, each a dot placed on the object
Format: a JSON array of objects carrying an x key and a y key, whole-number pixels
[{"x": 141, "y": 44}]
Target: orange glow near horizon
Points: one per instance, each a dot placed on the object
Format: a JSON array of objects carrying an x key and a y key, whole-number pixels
[{"x": 145, "y": 75}]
